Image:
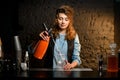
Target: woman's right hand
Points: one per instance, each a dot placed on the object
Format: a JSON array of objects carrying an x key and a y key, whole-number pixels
[{"x": 44, "y": 35}]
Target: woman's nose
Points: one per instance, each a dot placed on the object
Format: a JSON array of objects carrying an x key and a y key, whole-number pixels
[{"x": 63, "y": 21}]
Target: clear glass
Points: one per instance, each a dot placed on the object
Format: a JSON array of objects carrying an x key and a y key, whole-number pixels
[
  {"x": 61, "y": 61},
  {"x": 24, "y": 66}
]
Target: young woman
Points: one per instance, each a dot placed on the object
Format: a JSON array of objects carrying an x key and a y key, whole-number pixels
[{"x": 64, "y": 42}]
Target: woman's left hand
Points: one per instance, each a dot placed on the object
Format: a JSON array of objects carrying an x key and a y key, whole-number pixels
[{"x": 68, "y": 66}]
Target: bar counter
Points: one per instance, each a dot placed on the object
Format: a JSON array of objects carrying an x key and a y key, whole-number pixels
[{"x": 58, "y": 73}]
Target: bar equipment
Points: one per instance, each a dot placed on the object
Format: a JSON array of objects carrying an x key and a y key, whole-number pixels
[{"x": 18, "y": 51}]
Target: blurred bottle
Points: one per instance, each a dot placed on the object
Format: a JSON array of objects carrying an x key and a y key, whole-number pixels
[
  {"x": 27, "y": 59},
  {"x": 119, "y": 59},
  {"x": 25, "y": 63},
  {"x": 1, "y": 56},
  {"x": 112, "y": 63},
  {"x": 100, "y": 67},
  {"x": 1, "y": 52}
]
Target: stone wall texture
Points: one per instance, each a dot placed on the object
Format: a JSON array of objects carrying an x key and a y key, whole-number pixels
[{"x": 93, "y": 20}]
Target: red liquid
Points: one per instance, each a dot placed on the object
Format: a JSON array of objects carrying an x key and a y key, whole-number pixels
[{"x": 112, "y": 65}]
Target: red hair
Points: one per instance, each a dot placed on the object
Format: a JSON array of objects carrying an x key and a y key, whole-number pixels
[{"x": 70, "y": 32}]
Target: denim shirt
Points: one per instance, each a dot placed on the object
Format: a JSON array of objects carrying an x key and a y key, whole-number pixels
[{"x": 61, "y": 47}]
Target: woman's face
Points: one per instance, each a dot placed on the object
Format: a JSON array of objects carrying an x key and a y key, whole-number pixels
[{"x": 63, "y": 21}]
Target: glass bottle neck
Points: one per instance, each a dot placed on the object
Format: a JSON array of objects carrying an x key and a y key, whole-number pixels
[{"x": 113, "y": 51}]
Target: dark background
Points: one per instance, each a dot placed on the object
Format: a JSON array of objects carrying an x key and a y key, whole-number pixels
[{"x": 8, "y": 29}]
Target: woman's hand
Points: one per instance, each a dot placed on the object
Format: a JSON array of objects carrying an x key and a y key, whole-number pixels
[
  {"x": 44, "y": 35},
  {"x": 68, "y": 66}
]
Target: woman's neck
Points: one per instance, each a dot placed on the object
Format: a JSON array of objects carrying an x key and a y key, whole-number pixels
[{"x": 62, "y": 32}]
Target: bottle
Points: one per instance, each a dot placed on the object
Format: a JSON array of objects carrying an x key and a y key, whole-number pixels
[
  {"x": 112, "y": 61},
  {"x": 1, "y": 52},
  {"x": 119, "y": 59},
  {"x": 41, "y": 49},
  {"x": 27, "y": 59},
  {"x": 100, "y": 67},
  {"x": 42, "y": 45},
  {"x": 1, "y": 56},
  {"x": 25, "y": 63}
]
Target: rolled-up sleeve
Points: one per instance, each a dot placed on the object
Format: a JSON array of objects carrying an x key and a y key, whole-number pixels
[{"x": 76, "y": 51}]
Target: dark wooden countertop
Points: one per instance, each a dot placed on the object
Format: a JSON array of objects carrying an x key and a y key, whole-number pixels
[{"x": 59, "y": 73}]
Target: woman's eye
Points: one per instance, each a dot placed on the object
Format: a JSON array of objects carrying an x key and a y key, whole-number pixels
[
  {"x": 60, "y": 18},
  {"x": 66, "y": 19}
]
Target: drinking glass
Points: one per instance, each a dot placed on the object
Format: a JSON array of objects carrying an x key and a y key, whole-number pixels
[
  {"x": 61, "y": 61},
  {"x": 24, "y": 66}
]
